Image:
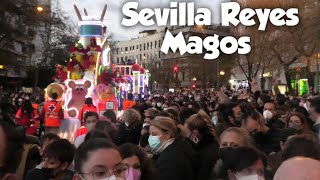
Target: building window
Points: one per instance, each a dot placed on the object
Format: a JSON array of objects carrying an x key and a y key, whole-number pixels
[
  {"x": 126, "y": 58},
  {"x": 117, "y": 60},
  {"x": 140, "y": 47},
  {"x": 183, "y": 76},
  {"x": 159, "y": 54},
  {"x": 132, "y": 47},
  {"x": 121, "y": 59},
  {"x": 151, "y": 44},
  {"x": 159, "y": 43},
  {"x": 155, "y": 44},
  {"x": 126, "y": 49},
  {"x": 147, "y": 46},
  {"x": 137, "y": 47},
  {"x": 144, "y": 46},
  {"x": 117, "y": 50},
  {"x": 140, "y": 57}
]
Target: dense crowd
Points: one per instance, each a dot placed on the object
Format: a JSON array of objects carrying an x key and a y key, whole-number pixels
[{"x": 185, "y": 135}]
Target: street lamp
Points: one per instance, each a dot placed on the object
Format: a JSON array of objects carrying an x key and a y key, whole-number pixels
[
  {"x": 194, "y": 78},
  {"x": 39, "y": 8},
  {"x": 1, "y": 66},
  {"x": 222, "y": 73}
]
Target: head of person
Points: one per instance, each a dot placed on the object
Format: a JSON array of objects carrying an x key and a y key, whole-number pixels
[
  {"x": 298, "y": 168},
  {"x": 242, "y": 163},
  {"x": 285, "y": 134},
  {"x": 231, "y": 112},
  {"x": 161, "y": 130},
  {"x": 47, "y": 139},
  {"x": 97, "y": 134},
  {"x": 185, "y": 113},
  {"x": 151, "y": 113},
  {"x": 137, "y": 161},
  {"x": 298, "y": 121},
  {"x": 57, "y": 157},
  {"x": 10, "y": 150},
  {"x": 314, "y": 110},
  {"x": 98, "y": 159},
  {"x": 54, "y": 96},
  {"x": 302, "y": 145},
  {"x": 106, "y": 127},
  {"x": 252, "y": 122},
  {"x": 88, "y": 101},
  {"x": 198, "y": 130},
  {"x": 269, "y": 110},
  {"x": 130, "y": 116},
  {"x": 93, "y": 41},
  {"x": 234, "y": 137},
  {"x": 27, "y": 106},
  {"x": 110, "y": 116},
  {"x": 90, "y": 120},
  {"x": 130, "y": 96}
]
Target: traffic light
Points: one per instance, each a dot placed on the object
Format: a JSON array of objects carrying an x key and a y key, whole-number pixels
[{"x": 175, "y": 69}]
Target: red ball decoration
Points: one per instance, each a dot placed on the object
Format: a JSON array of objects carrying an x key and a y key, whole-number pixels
[
  {"x": 142, "y": 71},
  {"x": 135, "y": 67}
]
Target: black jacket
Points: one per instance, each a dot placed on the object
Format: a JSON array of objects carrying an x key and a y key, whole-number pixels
[
  {"x": 176, "y": 162},
  {"x": 129, "y": 134},
  {"x": 207, "y": 155}
]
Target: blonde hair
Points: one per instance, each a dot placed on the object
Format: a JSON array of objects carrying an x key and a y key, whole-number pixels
[
  {"x": 165, "y": 124},
  {"x": 242, "y": 133},
  {"x": 131, "y": 116}
]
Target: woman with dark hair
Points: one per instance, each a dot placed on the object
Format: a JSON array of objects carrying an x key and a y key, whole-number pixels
[
  {"x": 27, "y": 116},
  {"x": 200, "y": 135},
  {"x": 299, "y": 122},
  {"x": 140, "y": 167},
  {"x": 87, "y": 107},
  {"x": 241, "y": 163}
]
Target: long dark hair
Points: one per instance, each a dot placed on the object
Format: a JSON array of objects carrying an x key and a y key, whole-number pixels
[
  {"x": 128, "y": 150},
  {"x": 27, "y": 108}
]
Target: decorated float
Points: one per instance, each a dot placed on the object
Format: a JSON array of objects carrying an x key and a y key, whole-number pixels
[{"x": 90, "y": 73}]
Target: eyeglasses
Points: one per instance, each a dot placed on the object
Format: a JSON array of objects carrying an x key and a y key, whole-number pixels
[{"x": 119, "y": 171}]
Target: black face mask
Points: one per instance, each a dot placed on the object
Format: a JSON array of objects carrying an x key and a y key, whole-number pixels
[
  {"x": 258, "y": 138},
  {"x": 224, "y": 151},
  {"x": 49, "y": 172}
]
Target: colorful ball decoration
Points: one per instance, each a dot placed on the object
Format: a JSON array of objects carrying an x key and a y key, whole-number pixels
[
  {"x": 135, "y": 67},
  {"x": 142, "y": 71}
]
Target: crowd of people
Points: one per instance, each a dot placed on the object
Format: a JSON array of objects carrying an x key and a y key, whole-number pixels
[{"x": 185, "y": 135}]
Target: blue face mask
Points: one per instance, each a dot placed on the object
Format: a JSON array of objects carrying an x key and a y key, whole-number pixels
[{"x": 154, "y": 142}]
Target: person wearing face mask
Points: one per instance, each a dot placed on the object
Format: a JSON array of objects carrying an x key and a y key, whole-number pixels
[
  {"x": 99, "y": 159},
  {"x": 90, "y": 120},
  {"x": 173, "y": 158},
  {"x": 140, "y": 167},
  {"x": 266, "y": 139},
  {"x": 129, "y": 130},
  {"x": 57, "y": 157},
  {"x": 269, "y": 115},
  {"x": 298, "y": 121},
  {"x": 242, "y": 163},
  {"x": 203, "y": 141}
]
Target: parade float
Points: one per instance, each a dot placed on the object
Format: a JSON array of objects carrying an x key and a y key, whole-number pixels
[{"x": 90, "y": 73}]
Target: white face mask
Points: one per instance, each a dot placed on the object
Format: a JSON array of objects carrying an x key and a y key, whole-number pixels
[
  {"x": 144, "y": 125},
  {"x": 267, "y": 114},
  {"x": 251, "y": 177},
  {"x": 159, "y": 104},
  {"x": 214, "y": 120}
]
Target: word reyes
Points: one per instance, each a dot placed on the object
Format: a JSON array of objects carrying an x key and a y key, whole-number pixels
[
  {"x": 228, "y": 45},
  {"x": 185, "y": 14}
]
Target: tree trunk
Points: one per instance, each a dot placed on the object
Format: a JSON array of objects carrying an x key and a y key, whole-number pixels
[
  {"x": 310, "y": 75},
  {"x": 288, "y": 78},
  {"x": 262, "y": 83}
]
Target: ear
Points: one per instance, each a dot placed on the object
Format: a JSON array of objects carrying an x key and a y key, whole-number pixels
[
  {"x": 282, "y": 145},
  {"x": 71, "y": 84},
  {"x": 87, "y": 84},
  {"x": 10, "y": 176},
  {"x": 65, "y": 166}
]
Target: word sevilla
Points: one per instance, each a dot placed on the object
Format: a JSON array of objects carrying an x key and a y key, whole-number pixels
[{"x": 185, "y": 14}]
